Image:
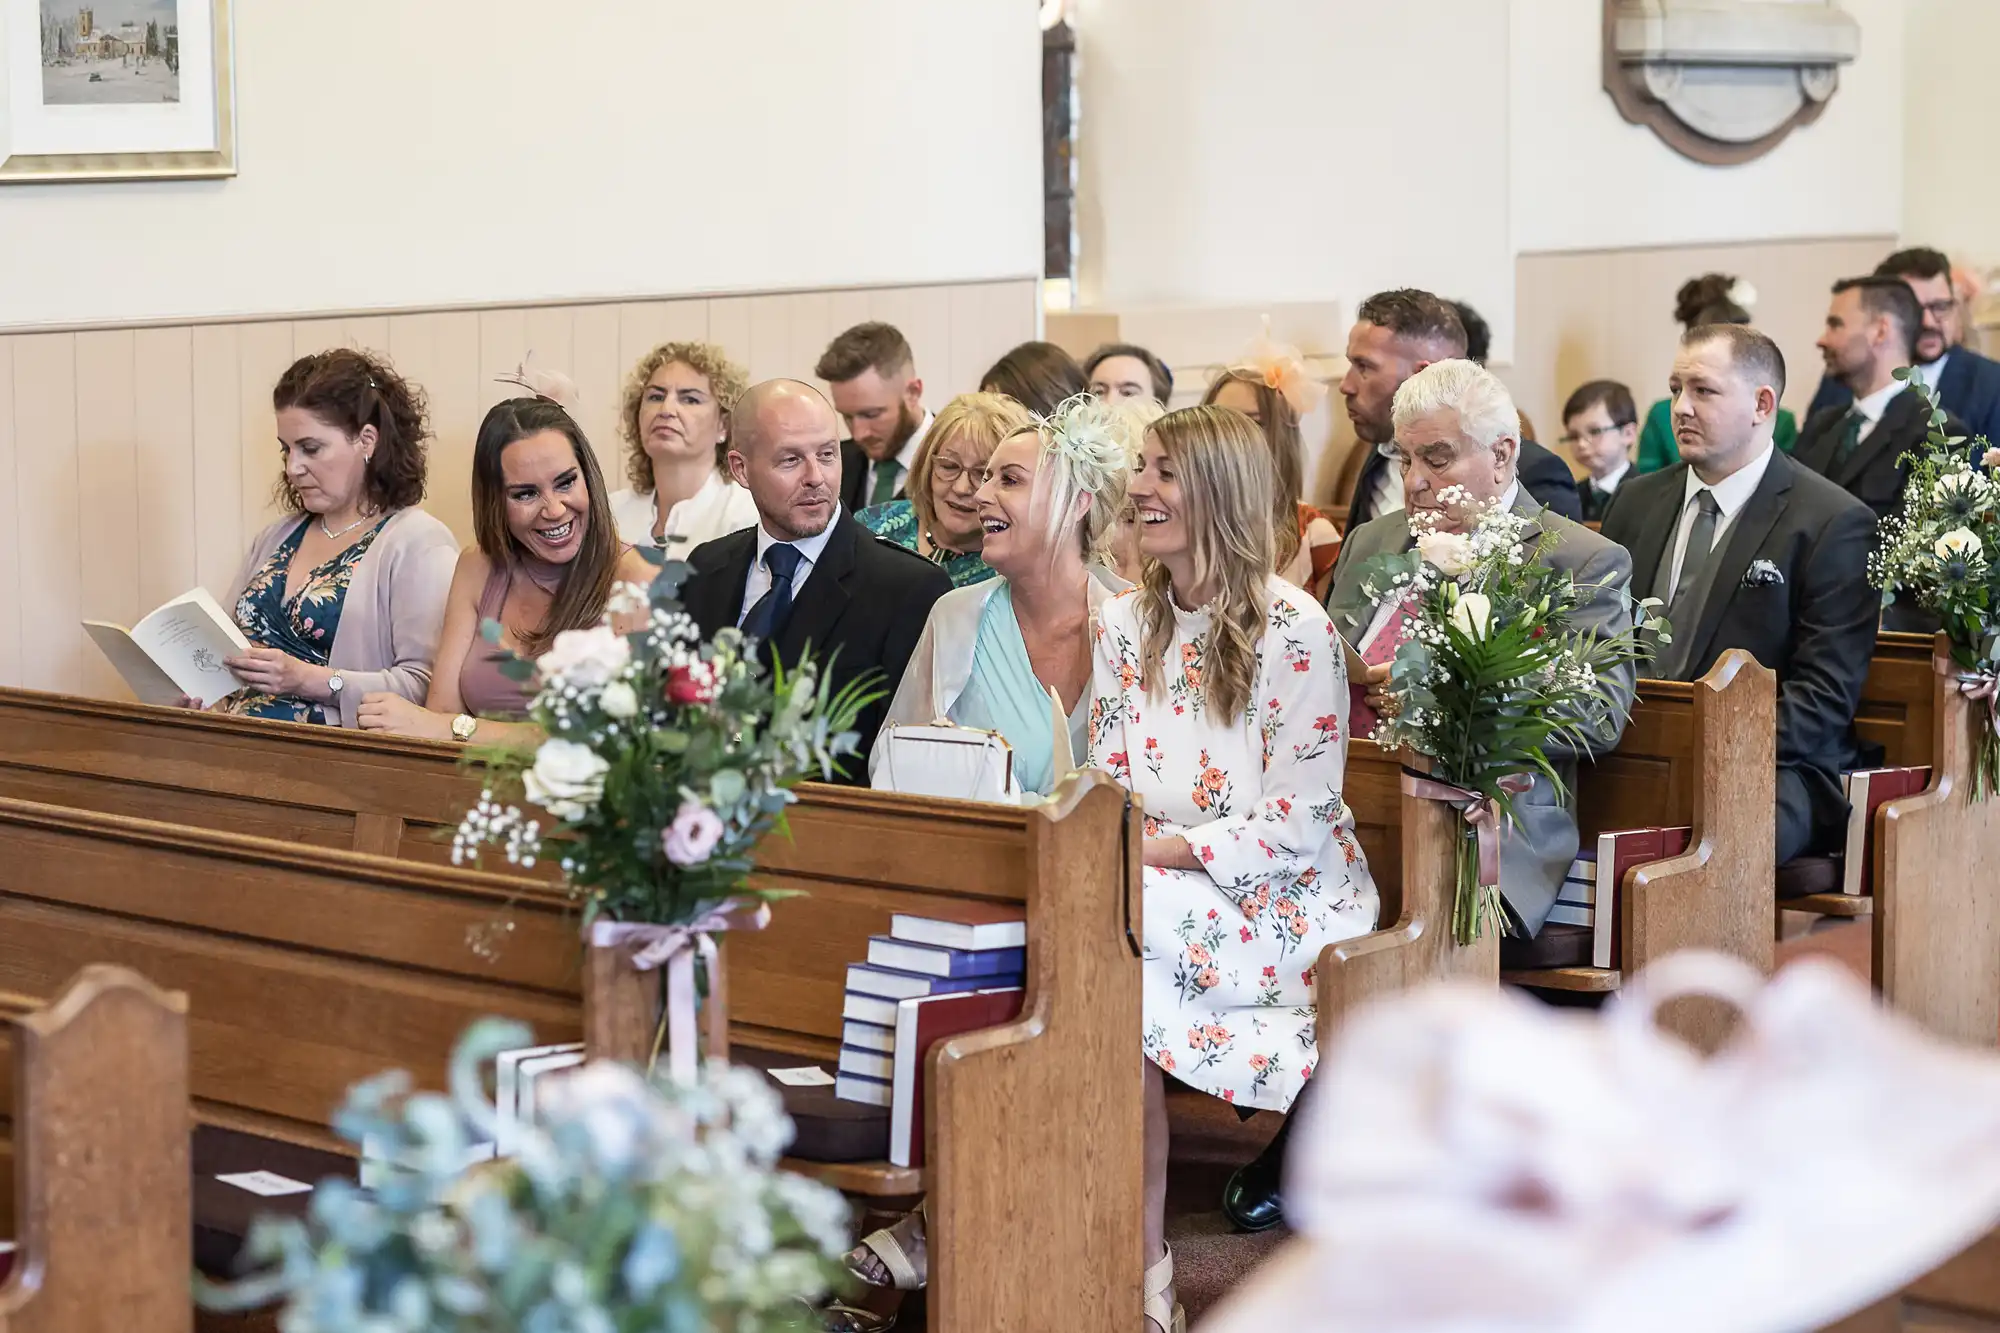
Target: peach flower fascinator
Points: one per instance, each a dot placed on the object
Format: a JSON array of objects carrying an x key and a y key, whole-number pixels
[
  {"x": 1476, "y": 1162},
  {"x": 553, "y": 385},
  {"x": 1283, "y": 367}
]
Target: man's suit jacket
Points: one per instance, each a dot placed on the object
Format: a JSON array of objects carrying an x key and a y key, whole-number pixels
[
  {"x": 1536, "y": 851},
  {"x": 1595, "y": 502},
  {"x": 857, "y": 478},
  {"x": 1969, "y": 390},
  {"x": 1814, "y": 625},
  {"x": 862, "y": 606},
  {"x": 1542, "y": 474},
  {"x": 1875, "y": 472}
]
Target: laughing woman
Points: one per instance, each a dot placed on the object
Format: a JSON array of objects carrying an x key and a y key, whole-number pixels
[
  {"x": 546, "y": 560},
  {"x": 342, "y": 596},
  {"x": 1219, "y": 698},
  {"x": 992, "y": 655}
]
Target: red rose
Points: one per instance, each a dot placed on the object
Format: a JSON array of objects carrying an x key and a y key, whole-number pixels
[{"x": 691, "y": 684}]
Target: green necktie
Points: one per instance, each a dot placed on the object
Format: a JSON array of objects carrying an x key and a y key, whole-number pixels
[
  {"x": 1850, "y": 435},
  {"x": 885, "y": 481}
]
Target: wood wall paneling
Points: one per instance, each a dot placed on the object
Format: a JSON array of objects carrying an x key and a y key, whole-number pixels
[{"x": 145, "y": 459}]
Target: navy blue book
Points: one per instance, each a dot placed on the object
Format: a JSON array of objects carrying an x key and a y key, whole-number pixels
[
  {"x": 932, "y": 960},
  {"x": 889, "y": 983}
]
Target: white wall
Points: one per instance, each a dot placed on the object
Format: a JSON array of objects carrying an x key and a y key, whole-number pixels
[
  {"x": 1285, "y": 150},
  {"x": 399, "y": 153},
  {"x": 1292, "y": 150},
  {"x": 1951, "y": 163}
]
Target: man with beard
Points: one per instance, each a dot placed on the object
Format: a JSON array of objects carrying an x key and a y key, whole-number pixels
[
  {"x": 876, "y": 391},
  {"x": 1395, "y": 335},
  {"x": 808, "y": 579},
  {"x": 1864, "y": 448},
  {"x": 1967, "y": 384}
]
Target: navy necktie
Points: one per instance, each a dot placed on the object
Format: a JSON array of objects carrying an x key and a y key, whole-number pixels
[{"x": 767, "y": 618}]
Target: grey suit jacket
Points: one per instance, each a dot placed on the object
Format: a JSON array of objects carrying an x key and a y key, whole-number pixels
[{"x": 1536, "y": 851}]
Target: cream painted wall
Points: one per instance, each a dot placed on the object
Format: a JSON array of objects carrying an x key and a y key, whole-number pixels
[
  {"x": 412, "y": 153},
  {"x": 1951, "y": 165}
]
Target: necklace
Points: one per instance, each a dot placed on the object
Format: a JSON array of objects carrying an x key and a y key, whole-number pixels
[{"x": 336, "y": 536}]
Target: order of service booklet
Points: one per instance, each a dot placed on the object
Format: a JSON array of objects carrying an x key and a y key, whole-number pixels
[{"x": 175, "y": 651}]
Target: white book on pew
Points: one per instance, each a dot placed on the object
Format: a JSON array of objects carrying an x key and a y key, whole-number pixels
[
  {"x": 870, "y": 1064},
  {"x": 1576, "y": 899},
  {"x": 865, "y": 1036},
  {"x": 876, "y": 1010},
  {"x": 175, "y": 651},
  {"x": 513, "y": 1072},
  {"x": 964, "y": 926},
  {"x": 861, "y": 1088},
  {"x": 895, "y": 984}
]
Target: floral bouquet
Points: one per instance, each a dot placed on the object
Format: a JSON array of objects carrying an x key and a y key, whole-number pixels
[
  {"x": 1492, "y": 672},
  {"x": 666, "y": 761},
  {"x": 630, "y": 1205},
  {"x": 1943, "y": 549}
]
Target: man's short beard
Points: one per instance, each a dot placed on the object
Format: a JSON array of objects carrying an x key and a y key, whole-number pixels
[{"x": 906, "y": 426}]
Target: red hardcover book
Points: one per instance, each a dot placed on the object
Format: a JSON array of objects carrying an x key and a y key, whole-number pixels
[
  {"x": 920, "y": 1023},
  {"x": 1868, "y": 789},
  {"x": 1617, "y": 852}
]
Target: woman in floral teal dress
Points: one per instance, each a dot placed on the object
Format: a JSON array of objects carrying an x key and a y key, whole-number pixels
[
  {"x": 302, "y": 625},
  {"x": 939, "y": 519}
]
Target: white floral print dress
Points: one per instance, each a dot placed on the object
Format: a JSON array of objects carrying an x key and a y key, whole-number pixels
[{"x": 1230, "y": 951}]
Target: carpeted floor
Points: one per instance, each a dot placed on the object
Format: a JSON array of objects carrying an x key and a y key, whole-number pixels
[{"x": 1208, "y": 1143}]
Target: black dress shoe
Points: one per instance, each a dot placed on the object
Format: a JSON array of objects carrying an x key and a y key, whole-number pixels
[{"x": 1250, "y": 1201}]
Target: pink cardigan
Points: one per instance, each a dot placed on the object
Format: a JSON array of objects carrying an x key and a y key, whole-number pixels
[{"x": 394, "y": 610}]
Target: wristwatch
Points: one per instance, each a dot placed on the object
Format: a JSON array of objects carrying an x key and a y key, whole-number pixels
[
  {"x": 463, "y": 726},
  {"x": 334, "y": 685}
]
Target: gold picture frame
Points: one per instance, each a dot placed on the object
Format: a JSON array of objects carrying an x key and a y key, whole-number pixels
[{"x": 30, "y": 168}]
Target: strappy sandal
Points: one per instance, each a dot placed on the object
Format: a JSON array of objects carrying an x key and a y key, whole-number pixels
[
  {"x": 1161, "y": 1307},
  {"x": 894, "y": 1248}
]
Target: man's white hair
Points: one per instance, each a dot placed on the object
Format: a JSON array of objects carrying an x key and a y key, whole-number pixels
[{"x": 1486, "y": 411}]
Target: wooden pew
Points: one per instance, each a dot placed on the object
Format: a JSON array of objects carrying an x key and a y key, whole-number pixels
[
  {"x": 101, "y": 1180},
  {"x": 1700, "y": 754},
  {"x": 308, "y": 969}
]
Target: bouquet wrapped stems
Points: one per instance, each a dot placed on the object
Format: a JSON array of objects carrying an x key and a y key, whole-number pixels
[{"x": 1474, "y": 904}]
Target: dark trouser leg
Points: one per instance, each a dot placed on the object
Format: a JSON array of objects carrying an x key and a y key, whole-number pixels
[
  {"x": 1251, "y": 1200},
  {"x": 1795, "y": 815}
]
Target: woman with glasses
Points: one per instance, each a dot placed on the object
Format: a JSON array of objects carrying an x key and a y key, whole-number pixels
[{"x": 939, "y": 519}]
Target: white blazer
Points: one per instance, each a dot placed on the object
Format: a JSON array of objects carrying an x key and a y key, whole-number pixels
[{"x": 719, "y": 508}]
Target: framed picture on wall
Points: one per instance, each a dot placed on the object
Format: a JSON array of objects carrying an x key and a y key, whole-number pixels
[{"x": 116, "y": 90}]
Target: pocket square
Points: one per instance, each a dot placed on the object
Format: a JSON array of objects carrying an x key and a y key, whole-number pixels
[{"x": 1762, "y": 574}]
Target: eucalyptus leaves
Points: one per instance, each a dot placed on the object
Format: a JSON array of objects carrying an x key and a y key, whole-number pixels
[
  {"x": 666, "y": 760},
  {"x": 629, "y": 1206}
]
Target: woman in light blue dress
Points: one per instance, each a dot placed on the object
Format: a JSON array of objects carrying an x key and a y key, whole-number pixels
[{"x": 1012, "y": 655}]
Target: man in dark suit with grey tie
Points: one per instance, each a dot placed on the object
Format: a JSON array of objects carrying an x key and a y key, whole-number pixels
[
  {"x": 809, "y": 579},
  {"x": 1871, "y": 332},
  {"x": 1751, "y": 550},
  {"x": 1967, "y": 384}
]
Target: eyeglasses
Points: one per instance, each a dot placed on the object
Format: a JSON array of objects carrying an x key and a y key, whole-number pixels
[
  {"x": 1939, "y": 309},
  {"x": 948, "y": 471},
  {"x": 1593, "y": 434}
]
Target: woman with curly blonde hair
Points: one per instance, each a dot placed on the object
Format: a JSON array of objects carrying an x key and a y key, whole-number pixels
[
  {"x": 1219, "y": 698},
  {"x": 675, "y": 424},
  {"x": 938, "y": 514}
]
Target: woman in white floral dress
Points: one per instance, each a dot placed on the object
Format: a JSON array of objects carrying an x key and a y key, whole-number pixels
[{"x": 1228, "y": 722}]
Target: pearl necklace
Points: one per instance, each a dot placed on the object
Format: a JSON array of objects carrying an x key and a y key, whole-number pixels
[{"x": 331, "y": 535}]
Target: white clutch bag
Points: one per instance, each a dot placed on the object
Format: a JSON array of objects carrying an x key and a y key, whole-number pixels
[{"x": 945, "y": 759}]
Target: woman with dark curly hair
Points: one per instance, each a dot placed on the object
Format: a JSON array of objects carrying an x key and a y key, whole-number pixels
[
  {"x": 344, "y": 595},
  {"x": 1712, "y": 298},
  {"x": 676, "y": 428}
]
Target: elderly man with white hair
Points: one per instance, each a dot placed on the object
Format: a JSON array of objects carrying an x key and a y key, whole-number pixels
[{"x": 1456, "y": 426}]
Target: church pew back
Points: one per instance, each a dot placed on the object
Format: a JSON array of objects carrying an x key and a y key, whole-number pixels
[{"x": 102, "y": 1165}]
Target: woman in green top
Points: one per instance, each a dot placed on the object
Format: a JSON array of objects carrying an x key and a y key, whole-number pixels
[
  {"x": 939, "y": 518},
  {"x": 1712, "y": 298}
]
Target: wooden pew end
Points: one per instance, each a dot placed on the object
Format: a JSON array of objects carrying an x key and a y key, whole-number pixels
[{"x": 1587, "y": 980}]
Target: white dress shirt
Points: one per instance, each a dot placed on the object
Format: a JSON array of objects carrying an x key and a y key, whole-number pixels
[
  {"x": 1873, "y": 406},
  {"x": 904, "y": 460},
  {"x": 1609, "y": 481},
  {"x": 1387, "y": 607},
  {"x": 1931, "y": 372},
  {"x": 719, "y": 508},
  {"x": 1731, "y": 494},
  {"x": 1387, "y": 497},
  {"x": 759, "y": 581}
]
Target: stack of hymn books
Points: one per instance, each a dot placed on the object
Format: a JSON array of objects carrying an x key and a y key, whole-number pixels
[
  {"x": 929, "y": 978},
  {"x": 1868, "y": 789},
  {"x": 1589, "y": 893}
]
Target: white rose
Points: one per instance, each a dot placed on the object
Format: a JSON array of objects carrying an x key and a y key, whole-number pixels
[
  {"x": 1953, "y": 484},
  {"x": 1450, "y": 553},
  {"x": 619, "y": 700},
  {"x": 1962, "y": 543},
  {"x": 567, "y": 779},
  {"x": 585, "y": 657},
  {"x": 1472, "y": 614}
]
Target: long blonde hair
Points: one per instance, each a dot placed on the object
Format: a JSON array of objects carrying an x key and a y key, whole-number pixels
[{"x": 1224, "y": 468}]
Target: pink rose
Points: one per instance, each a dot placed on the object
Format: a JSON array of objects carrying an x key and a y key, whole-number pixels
[
  {"x": 1990, "y": 459},
  {"x": 691, "y": 684},
  {"x": 693, "y": 834}
]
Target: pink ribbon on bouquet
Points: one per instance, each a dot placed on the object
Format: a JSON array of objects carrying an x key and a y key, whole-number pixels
[
  {"x": 1482, "y": 812},
  {"x": 675, "y": 948}
]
